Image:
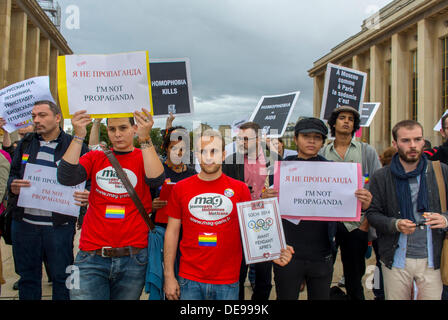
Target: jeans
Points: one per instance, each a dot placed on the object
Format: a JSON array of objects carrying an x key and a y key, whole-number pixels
[
  {"x": 193, "y": 290},
  {"x": 353, "y": 247},
  {"x": 102, "y": 278},
  {"x": 317, "y": 275},
  {"x": 29, "y": 243}
]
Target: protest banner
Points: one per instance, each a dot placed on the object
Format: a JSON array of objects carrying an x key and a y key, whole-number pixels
[
  {"x": 438, "y": 125},
  {"x": 45, "y": 192},
  {"x": 273, "y": 112},
  {"x": 318, "y": 190},
  {"x": 17, "y": 101},
  {"x": 343, "y": 87},
  {"x": 367, "y": 113},
  {"x": 261, "y": 230},
  {"x": 107, "y": 86},
  {"x": 171, "y": 87}
]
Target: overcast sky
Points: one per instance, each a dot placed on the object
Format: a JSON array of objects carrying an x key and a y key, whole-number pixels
[{"x": 239, "y": 50}]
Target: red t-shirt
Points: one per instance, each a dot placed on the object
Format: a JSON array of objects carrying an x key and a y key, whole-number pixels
[
  {"x": 112, "y": 218},
  {"x": 210, "y": 247}
]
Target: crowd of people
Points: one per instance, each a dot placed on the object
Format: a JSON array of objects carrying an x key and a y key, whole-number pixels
[{"x": 180, "y": 253}]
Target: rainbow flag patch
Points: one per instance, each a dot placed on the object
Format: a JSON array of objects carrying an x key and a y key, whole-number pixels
[
  {"x": 208, "y": 239},
  {"x": 115, "y": 212},
  {"x": 25, "y": 158}
]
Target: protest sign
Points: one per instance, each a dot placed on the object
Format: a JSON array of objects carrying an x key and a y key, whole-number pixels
[
  {"x": 261, "y": 230},
  {"x": 107, "y": 86},
  {"x": 17, "y": 101},
  {"x": 343, "y": 87},
  {"x": 438, "y": 125},
  {"x": 273, "y": 112},
  {"x": 46, "y": 193},
  {"x": 318, "y": 190},
  {"x": 367, "y": 113},
  {"x": 171, "y": 86}
]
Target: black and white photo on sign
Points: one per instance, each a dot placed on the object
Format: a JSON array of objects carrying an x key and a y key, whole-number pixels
[
  {"x": 343, "y": 87},
  {"x": 171, "y": 87},
  {"x": 273, "y": 112},
  {"x": 367, "y": 113}
]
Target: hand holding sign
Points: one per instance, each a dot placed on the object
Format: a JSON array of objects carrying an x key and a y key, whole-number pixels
[
  {"x": 80, "y": 121},
  {"x": 16, "y": 184}
]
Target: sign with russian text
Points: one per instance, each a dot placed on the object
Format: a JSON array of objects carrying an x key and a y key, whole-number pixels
[
  {"x": 46, "y": 193},
  {"x": 318, "y": 190},
  {"x": 273, "y": 112},
  {"x": 17, "y": 101},
  {"x": 171, "y": 86},
  {"x": 107, "y": 86},
  {"x": 261, "y": 230},
  {"x": 343, "y": 87}
]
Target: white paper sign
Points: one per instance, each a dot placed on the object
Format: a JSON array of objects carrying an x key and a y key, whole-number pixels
[
  {"x": 46, "y": 193},
  {"x": 261, "y": 230},
  {"x": 318, "y": 190},
  {"x": 107, "y": 85},
  {"x": 439, "y": 123},
  {"x": 17, "y": 101}
]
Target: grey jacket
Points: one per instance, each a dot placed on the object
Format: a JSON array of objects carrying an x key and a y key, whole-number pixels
[{"x": 385, "y": 210}]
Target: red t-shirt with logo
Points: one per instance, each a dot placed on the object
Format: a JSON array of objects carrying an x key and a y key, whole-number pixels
[
  {"x": 210, "y": 247},
  {"x": 112, "y": 218}
]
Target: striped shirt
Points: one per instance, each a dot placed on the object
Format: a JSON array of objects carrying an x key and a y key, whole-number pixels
[{"x": 45, "y": 157}]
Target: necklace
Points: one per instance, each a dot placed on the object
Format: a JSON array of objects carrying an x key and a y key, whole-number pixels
[{"x": 175, "y": 167}]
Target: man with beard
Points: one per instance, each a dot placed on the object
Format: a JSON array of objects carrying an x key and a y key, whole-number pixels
[
  {"x": 250, "y": 165},
  {"x": 405, "y": 211},
  {"x": 211, "y": 251}
]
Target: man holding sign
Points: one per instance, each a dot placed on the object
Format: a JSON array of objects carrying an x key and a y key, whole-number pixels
[
  {"x": 211, "y": 252},
  {"x": 36, "y": 231}
]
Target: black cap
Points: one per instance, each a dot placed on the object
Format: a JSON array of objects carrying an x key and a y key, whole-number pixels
[{"x": 308, "y": 125}]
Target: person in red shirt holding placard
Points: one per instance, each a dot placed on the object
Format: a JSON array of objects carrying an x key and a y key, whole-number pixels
[
  {"x": 211, "y": 251},
  {"x": 113, "y": 252}
]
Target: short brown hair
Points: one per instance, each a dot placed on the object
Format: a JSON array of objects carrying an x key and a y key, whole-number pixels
[
  {"x": 251, "y": 125},
  {"x": 53, "y": 107},
  {"x": 212, "y": 133},
  {"x": 408, "y": 124}
]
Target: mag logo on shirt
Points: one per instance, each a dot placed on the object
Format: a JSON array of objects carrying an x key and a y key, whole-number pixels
[
  {"x": 108, "y": 180},
  {"x": 210, "y": 206}
]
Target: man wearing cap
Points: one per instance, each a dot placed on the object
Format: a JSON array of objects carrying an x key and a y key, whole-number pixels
[
  {"x": 313, "y": 241},
  {"x": 352, "y": 237}
]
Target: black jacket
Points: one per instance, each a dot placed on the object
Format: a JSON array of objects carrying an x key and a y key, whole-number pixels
[
  {"x": 439, "y": 153},
  {"x": 17, "y": 169},
  {"x": 385, "y": 210}
]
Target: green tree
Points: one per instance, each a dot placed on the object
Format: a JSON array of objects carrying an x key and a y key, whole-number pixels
[{"x": 103, "y": 133}]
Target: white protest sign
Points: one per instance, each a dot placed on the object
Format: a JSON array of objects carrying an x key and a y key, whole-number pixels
[
  {"x": 106, "y": 86},
  {"x": 17, "y": 101},
  {"x": 261, "y": 230},
  {"x": 439, "y": 123},
  {"x": 318, "y": 190},
  {"x": 46, "y": 193}
]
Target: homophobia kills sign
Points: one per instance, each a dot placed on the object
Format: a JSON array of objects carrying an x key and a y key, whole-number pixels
[
  {"x": 343, "y": 87},
  {"x": 317, "y": 190},
  {"x": 273, "y": 112},
  {"x": 107, "y": 86},
  {"x": 17, "y": 101},
  {"x": 171, "y": 86}
]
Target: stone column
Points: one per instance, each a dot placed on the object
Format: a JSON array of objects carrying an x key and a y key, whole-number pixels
[
  {"x": 17, "y": 47},
  {"x": 376, "y": 95},
  {"x": 318, "y": 91},
  {"x": 426, "y": 113},
  {"x": 400, "y": 90},
  {"x": 5, "y": 27},
  {"x": 32, "y": 52},
  {"x": 44, "y": 57},
  {"x": 54, "y": 52}
]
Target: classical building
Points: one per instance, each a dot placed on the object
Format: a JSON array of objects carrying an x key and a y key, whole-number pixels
[
  {"x": 404, "y": 51},
  {"x": 29, "y": 43}
]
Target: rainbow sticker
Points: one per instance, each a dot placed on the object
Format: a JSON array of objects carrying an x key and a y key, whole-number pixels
[
  {"x": 115, "y": 212},
  {"x": 25, "y": 158},
  {"x": 208, "y": 239}
]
